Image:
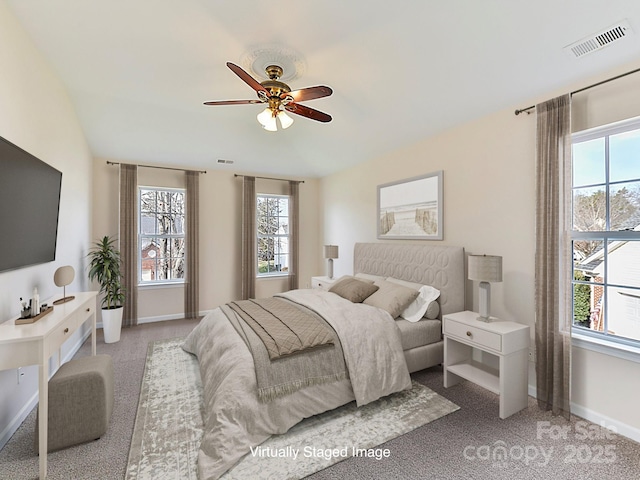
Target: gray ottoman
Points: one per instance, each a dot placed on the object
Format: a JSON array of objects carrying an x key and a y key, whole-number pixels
[{"x": 80, "y": 402}]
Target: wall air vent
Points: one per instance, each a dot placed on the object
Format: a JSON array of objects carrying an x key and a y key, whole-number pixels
[
  {"x": 225, "y": 162},
  {"x": 599, "y": 40}
]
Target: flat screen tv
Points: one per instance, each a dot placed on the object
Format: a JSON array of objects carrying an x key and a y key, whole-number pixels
[{"x": 29, "y": 206}]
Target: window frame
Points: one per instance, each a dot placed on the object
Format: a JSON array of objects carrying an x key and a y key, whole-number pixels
[
  {"x": 277, "y": 273},
  {"x": 164, "y": 282},
  {"x": 603, "y": 342}
]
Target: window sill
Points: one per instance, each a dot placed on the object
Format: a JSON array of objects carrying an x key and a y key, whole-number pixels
[
  {"x": 154, "y": 286},
  {"x": 273, "y": 275},
  {"x": 613, "y": 349}
]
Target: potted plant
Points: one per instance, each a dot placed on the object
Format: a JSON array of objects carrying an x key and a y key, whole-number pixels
[{"x": 104, "y": 266}]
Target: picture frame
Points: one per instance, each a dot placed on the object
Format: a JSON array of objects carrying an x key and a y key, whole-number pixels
[{"x": 411, "y": 209}]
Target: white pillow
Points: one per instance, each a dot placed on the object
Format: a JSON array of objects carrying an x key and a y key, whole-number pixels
[{"x": 416, "y": 310}]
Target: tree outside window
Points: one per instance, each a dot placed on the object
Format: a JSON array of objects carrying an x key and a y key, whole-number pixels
[
  {"x": 272, "y": 219},
  {"x": 161, "y": 235},
  {"x": 606, "y": 231}
]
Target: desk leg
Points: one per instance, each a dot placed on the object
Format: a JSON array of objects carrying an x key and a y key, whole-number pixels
[
  {"x": 93, "y": 333},
  {"x": 43, "y": 412}
]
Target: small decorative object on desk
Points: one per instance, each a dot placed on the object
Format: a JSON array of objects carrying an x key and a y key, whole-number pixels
[
  {"x": 25, "y": 310},
  {"x": 35, "y": 303},
  {"x": 34, "y": 318},
  {"x": 62, "y": 277}
]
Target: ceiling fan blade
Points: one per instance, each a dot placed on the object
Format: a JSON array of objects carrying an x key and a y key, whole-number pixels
[
  {"x": 308, "y": 93},
  {"x": 233, "y": 102},
  {"x": 248, "y": 79},
  {"x": 308, "y": 112}
]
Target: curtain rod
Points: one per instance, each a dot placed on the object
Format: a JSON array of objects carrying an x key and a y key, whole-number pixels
[
  {"x": 528, "y": 109},
  {"x": 268, "y": 178},
  {"x": 161, "y": 168}
]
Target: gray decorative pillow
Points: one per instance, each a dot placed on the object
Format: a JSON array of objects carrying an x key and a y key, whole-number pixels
[
  {"x": 353, "y": 289},
  {"x": 424, "y": 306},
  {"x": 392, "y": 297},
  {"x": 433, "y": 310}
]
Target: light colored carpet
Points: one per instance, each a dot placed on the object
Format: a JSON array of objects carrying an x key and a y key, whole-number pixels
[{"x": 169, "y": 425}]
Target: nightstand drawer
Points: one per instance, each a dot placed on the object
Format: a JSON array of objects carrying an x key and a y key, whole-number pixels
[
  {"x": 319, "y": 284},
  {"x": 474, "y": 335},
  {"x": 322, "y": 283}
]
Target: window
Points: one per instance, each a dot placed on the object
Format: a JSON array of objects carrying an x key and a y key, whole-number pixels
[
  {"x": 606, "y": 232},
  {"x": 272, "y": 218},
  {"x": 161, "y": 235}
]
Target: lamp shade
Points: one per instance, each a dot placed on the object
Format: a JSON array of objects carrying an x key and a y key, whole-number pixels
[
  {"x": 64, "y": 276},
  {"x": 285, "y": 120},
  {"x": 268, "y": 120},
  {"x": 485, "y": 268},
  {"x": 331, "y": 251}
]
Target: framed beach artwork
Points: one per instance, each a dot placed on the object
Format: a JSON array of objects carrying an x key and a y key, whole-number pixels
[{"x": 411, "y": 209}]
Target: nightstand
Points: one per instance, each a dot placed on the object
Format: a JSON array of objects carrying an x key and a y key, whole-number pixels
[
  {"x": 323, "y": 283},
  {"x": 492, "y": 354}
]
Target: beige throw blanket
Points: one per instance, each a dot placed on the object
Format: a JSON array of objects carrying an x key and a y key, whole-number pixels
[
  {"x": 287, "y": 374},
  {"x": 285, "y": 328}
]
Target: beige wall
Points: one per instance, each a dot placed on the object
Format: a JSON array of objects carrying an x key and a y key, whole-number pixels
[
  {"x": 489, "y": 207},
  {"x": 220, "y": 202},
  {"x": 488, "y": 201},
  {"x": 36, "y": 115}
]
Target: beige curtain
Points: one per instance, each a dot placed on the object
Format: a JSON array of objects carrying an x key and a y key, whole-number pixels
[
  {"x": 553, "y": 254},
  {"x": 129, "y": 241},
  {"x": 191, "y": 280},
  {"x": 294, "y": 236},
  {"x": 248, "y": 238}
]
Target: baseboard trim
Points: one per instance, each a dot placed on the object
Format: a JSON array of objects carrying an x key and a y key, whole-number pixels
[
  {"x": 15, "y": 423},
  {"x": 163, "y": 318},
  {"x": 607, "y": 422},
  {"x": 617, "y": 426}
]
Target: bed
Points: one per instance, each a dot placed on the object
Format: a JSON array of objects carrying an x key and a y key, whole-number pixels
[
  {"x": 236, "y": 418},
  {"x": 439, "y": 266}
]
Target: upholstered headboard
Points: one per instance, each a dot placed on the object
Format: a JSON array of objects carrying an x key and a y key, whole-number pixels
[{"x": 439, "y": 266}]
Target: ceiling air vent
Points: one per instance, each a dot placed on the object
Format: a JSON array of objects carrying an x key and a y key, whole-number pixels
[{"x": 599, "y": 40}]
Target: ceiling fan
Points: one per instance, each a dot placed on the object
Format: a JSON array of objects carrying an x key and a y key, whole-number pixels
[{"x": 279, "y": 98}]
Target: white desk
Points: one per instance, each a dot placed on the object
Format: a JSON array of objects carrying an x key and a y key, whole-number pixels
[{"x": 35, "y": 343}]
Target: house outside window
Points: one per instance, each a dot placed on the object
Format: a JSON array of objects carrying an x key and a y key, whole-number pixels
[
  {"x": 272, "y": 222},
  {"x": 161, "y": 239},
  {"x": 606, "y": 232}
]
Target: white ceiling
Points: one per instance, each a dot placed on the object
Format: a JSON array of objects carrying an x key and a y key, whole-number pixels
[{"x": 138, "y": 71}]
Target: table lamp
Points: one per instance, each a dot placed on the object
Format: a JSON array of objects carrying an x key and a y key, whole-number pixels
[
  {"x": 485, "y": 269},
  {"x": 330, "y": 252}
]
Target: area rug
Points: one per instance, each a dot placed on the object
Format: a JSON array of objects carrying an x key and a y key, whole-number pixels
[{"x": 168, "y": 426}]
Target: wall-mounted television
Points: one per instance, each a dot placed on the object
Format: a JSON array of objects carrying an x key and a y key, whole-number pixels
[{"x": 29, "y": 207}]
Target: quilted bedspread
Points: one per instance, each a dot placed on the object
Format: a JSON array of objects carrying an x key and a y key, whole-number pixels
[{"x": 235, "y": 420}]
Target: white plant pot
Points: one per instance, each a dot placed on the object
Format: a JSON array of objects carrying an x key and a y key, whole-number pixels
[{"x": 112, "y": 324}]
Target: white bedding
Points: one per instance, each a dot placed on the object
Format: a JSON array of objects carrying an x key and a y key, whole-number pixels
[{"x": 234, "y": 418}]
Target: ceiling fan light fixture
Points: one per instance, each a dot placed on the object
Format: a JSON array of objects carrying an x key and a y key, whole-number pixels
[
  {"x": 268, "y": 120},
  {"x": 285, "y": 120},
  {"x": 279, "y": 97}
]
